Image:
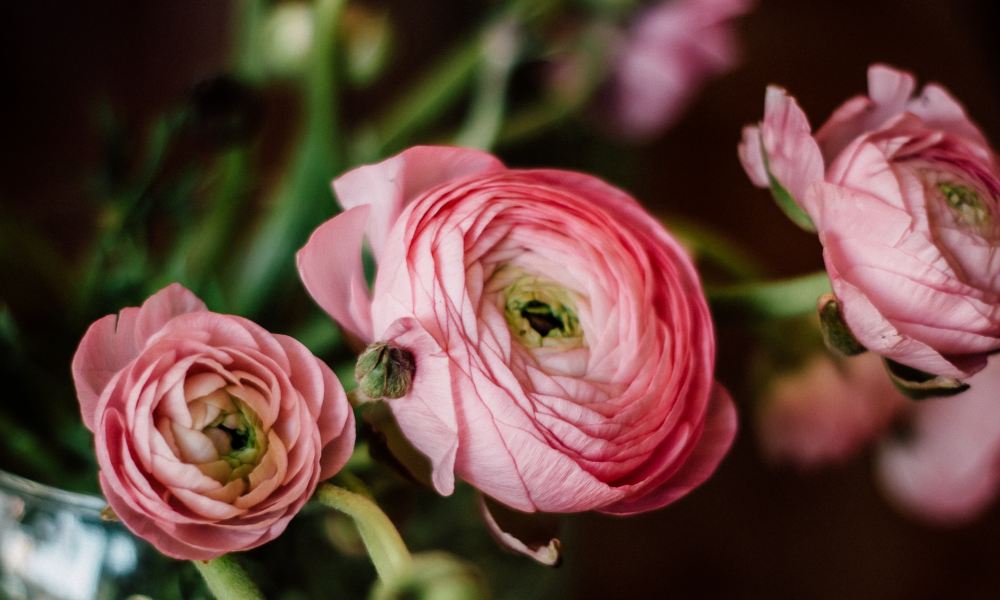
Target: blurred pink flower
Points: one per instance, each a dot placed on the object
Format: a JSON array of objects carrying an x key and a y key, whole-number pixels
[
  {"x": 947, "y": 469},
  {"x": 211, "y": 433},
  {"x": 904, "y": 192},
  {"x": 827, "y": 411},
  {"x": 564, "y": 350},
  {"x": 944, "y": 467},
  {"x": 668, "y": 53}
]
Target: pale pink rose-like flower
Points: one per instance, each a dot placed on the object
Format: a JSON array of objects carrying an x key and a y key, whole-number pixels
[
  {"x": 904, "y": 192},
  {"x": 563, "y": 347},
  {"x": 210, "y": 432},
  {"x": 827, "y": 411},
  {"x": 947, "y": 468},
  {"x": 662, "y": 61}
]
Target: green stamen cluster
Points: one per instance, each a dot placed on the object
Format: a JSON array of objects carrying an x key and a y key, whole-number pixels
[
  {"x": 965, "y": 202},
  {"x": 541, "y": 314}
]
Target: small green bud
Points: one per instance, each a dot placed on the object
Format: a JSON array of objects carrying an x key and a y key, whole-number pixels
[
  {"x": 836, "y": 334},
  {"x": 384, "y": 371}
]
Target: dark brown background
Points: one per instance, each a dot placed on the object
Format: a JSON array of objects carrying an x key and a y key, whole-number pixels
[{"x": 753, "y": 531}]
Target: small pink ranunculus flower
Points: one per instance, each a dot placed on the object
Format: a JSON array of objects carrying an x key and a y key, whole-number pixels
[
  {"x": 211, "y": 433},
  {"x": 563, "y": 348},
  {"x": 904, "y": 192},
  {"x": 828, "y": 410},
  {"x": 668, "y": 53}
]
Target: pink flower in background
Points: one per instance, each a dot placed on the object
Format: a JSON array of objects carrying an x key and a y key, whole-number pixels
[
  {"x": 211, "y": 433},
  {"x": 947, "y": 469},
  {"x": 670, "y": 51},
  {"x": 827, "y": 411},
  {"x": 563, "y": 348},
  {"x": 904, "y": 192},
  {"x": 943, "y": 468}
]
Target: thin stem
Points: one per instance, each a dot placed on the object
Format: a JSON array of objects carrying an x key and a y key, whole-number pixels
[
  {"x": 227, "y": 580},
  {"x": 385, "y": 546},
  {"x": 302, "y": 199},
  {"x": 434, "y": 93},
  {"x": 500, "y": 50},
  {"x": 781, "y": 299}
]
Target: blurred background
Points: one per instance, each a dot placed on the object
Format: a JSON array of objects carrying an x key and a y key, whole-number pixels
[{"x": 95, "y": 88}]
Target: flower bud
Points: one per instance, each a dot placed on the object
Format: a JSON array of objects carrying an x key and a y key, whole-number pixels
[
  {"x": 434, "y": 576},
  {"x": 384, "y": 371}
]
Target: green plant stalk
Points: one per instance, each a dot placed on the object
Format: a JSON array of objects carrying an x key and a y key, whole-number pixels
[
  {"x": 440, "y": 87},
  {"x": 782, "y": 299},
  {"x": 385, "y": 547},
  {"x": 227, "y": 580},
  {"x": 302, "y": 199},
  {"x": 500, "y": 49},
  {"x": 433, "y": 94}
]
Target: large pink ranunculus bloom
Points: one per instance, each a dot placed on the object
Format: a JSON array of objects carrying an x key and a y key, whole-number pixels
[
  {"x": 211, "y": 433},
  {"x": 670, "y": 51},
  {"x": 904, "y": 191},
  {"x": 564, "y": 350}
]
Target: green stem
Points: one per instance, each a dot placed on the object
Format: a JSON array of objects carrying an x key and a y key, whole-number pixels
[
  {"x": 441, "y": 86},
  {"x": 500, "y": 51},
  {"x": 385, "y": 546},
  {"x": 434, "y": 93},
  {"x": 770, "y": 300},
  {"x": 227, "y": 580},
  {"x": 302, "y": 199}
]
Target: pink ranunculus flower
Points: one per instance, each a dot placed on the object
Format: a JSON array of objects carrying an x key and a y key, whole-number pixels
[
  {"x": 211, "y": 433},
  {"x": 904, "y": 192},
  {"x": 946, "y": 469},
  {"x": 563, "y": 347},
  {"x": 665, "y": 57},
  {"x": 828, "y": 410}
]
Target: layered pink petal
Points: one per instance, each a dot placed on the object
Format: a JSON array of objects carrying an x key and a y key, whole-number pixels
[
  {"x": 712, "y": 446},
  {"x": 751, "y": 156},
  {"x": 426, "y": 415},
  {"x": 390, "y": 185},
  {"x": 113, "y": 341},
  {"x": 790, "y": 153},
  {"x": 331, "y": 269}
]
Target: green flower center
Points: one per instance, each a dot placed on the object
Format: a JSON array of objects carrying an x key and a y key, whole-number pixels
[
  {"x": 541, "y": 314},
  {"x": 238, "y": 438},
  {"x": 965, "y": 202}
]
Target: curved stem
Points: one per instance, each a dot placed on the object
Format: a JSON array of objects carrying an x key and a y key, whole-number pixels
[
  {"x": 227, "y": 580},
  {"x": 385, "y": 546},
  {"x": 781, "y": 299}
]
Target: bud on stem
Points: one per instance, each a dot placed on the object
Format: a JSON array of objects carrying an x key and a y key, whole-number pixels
[{"x": 384, "y": 371}]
